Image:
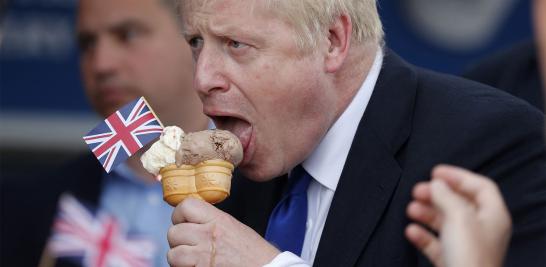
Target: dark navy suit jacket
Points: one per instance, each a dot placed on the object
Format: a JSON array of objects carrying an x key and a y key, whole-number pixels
[{"x": 514, "y": 70}]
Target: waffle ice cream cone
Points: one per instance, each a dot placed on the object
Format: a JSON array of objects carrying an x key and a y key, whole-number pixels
[
  {"x": 209, "y": 180},
  {"x": 213, "y": 179},
  {"x": 178, "y": 183}
]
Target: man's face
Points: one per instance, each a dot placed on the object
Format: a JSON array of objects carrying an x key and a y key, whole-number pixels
[
  {"x": 132, "y": 48},
  {"x": 253, "y": 81}
]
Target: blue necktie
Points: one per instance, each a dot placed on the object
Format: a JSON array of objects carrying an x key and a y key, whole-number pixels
[{"x": 286, "y": 227}]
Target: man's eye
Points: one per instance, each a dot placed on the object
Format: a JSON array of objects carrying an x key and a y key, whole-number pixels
[
  {"x": 196, "y": 42},
  {"x": 128, "y": 34},
  {"x": 236, "y": 44},
  {"x": 86, "y": 43}
]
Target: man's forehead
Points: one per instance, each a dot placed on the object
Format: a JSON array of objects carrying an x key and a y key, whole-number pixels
[
  {"x": 217, "y": 5},
  {"x": 105, "y": 14},
  {"x": 220, "y": 15}
]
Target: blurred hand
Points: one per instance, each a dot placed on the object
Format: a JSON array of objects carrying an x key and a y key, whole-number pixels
[
  {"x": 203, "y": 235},
  {"x": 469, "y": 215}
]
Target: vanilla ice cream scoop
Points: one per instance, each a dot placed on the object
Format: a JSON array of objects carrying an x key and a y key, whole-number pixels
[{"x": 163, "y": 152}]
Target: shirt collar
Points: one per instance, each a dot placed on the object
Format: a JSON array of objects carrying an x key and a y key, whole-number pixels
[
  {"x": 326, "y": 162},
  {"x": 211, "y": 125}
]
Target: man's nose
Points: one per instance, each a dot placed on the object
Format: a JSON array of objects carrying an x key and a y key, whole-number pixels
[
  {"x": 210, "y": 73},
  {"x": 105, "y": 58}
]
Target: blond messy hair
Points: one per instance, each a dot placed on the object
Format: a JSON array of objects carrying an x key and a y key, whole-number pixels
[{"x": 311, "y": 19}]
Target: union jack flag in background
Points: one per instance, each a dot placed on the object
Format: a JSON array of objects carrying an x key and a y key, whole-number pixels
[
  {"x": 95, "y": 241},
  {"x": 123, "y": 133}
]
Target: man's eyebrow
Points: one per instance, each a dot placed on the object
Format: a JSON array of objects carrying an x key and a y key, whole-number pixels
[
  {"x": 226, "y": 30},
  {"x": 229, "y": 31},
  {"x": 234, "y": 31},
  {"x": 187, "y": 33},
  {"x": 127, "y": 24},
  {"x": 116, "y": 27}
]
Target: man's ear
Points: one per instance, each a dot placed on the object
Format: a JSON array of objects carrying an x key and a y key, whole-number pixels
[{"x": 339, "y": 40}]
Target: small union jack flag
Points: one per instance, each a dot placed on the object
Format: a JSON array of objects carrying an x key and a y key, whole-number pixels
[
  {"x": 123, "y": 133},
  {"x": 96, "y": 242}
]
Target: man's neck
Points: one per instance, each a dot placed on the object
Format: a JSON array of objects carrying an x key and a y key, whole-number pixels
[{"x": 354, "y": 72}]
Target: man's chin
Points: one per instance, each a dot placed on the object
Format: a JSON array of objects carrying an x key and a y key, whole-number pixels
[
  {"x": 107, "y": 109},
  {"x": 258, "y": 173}
]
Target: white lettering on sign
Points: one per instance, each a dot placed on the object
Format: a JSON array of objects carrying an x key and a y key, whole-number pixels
[{"x": 44, "y": 36}]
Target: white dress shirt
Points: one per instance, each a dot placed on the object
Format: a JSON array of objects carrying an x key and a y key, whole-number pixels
[{"x": 325, "y": 165}]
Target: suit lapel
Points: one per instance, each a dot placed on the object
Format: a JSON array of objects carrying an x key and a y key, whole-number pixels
[{"x": 371, "y": 172}]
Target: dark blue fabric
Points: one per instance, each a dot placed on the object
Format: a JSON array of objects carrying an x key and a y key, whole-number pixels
[{"x": 286, "y": 227}]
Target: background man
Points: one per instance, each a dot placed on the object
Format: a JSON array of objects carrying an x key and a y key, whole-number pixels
[
  {"x": 362, "y": 124},
  {"x": 129, "y": 48}
]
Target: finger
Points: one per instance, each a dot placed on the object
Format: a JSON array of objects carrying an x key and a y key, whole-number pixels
[
  {"x": 426, "y": 242},
  {"x": 449, "y": 203},
  {"x": 425, "y": 214},
  {"x": 421, "y": 192},
  {"x": 182, "y": 256},
  {"x": 476, "y": 188},
  {"x": 189, "y": 234},
  {"x": 459, "y": 179},
  {"x": 194, "y": 211}
]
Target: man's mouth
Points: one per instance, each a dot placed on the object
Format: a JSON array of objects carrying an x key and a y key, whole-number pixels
[
  {"x": 239, "y": 127},
  {"x": 111, "y": 95}
]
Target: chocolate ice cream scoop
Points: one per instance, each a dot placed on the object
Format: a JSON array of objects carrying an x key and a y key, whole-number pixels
[{"x": 210, "y": 144}]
